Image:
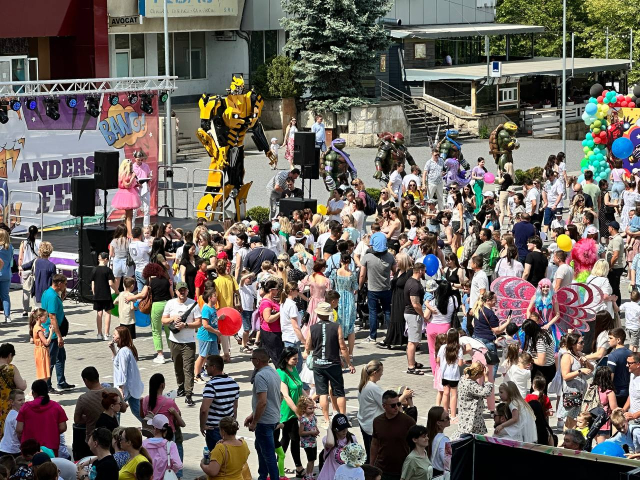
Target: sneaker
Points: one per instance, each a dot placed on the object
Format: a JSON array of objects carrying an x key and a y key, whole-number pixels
[
  {"x": 180, "y": 392},
  {"x": 7, "y": 319},
  {"x": 159, "y": 359},
  {"x": 66, "y": 386},
  {"x": 189, "y": 401},
  {"x": 52, "y": 391},
  {"x": 370, "y": 340},
  {"x": 26, "y": 314},
  {"x": 106, "y": 336},
  {"x": 99, "y": 336},
  {"x": 199, "y": 380}
]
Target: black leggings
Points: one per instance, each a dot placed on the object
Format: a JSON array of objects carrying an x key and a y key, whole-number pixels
[
  {"x": 290, "y": 433},
  {"x": 547, "y": 372}
]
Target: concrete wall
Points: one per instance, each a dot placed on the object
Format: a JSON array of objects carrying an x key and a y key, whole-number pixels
[{"x": 367, "y": 121}]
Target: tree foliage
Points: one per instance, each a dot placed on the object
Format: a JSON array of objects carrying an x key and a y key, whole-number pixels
[
  {"x": 334, "y": 43},
  {"x": 281, "y": 78}
]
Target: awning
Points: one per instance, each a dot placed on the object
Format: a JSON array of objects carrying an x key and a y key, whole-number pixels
[
  {"x": 518, "y": 68},
  {"x": 461, "y": 30}
]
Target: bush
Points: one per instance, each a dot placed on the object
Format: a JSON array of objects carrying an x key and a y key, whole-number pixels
[
  {"x": 374, "y": 192},
  {"x": 259, "y": 80},
  {"x": 483, "y": 132},
  {"x": 259, "y": 214},
  {"x": 280, "y": 78},
  {"x": 521, "y": 176}
]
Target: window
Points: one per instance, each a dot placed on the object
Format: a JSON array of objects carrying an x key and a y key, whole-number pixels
[
  {"x": 130, "y": 58},
  {"x": 420, "y": 51},
  {"x": 187, "y": 55},
  {"x": 263, "y": 47},
  {"x": 383, "y": 63}
]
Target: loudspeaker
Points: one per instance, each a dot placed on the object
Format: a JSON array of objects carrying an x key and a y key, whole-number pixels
[
  {"x": 83, "y": 197},
  {"x": 93, "y": 241},
  {"x": 288, "y": 205},
  {"x": 106, "y": 164},
  {"x": 306, "y": 154}
]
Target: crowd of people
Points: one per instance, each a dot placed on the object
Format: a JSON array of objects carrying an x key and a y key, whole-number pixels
[{"x": 304, "y": 285}]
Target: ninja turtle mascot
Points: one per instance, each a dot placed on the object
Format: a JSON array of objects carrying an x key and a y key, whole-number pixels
[
  {"x": 450, "y": 147},
  {"x": 391, "y": 149},
  {"x": 336, "y": 163},
  {"x": 224, "y": 122},
  {"x": 502, "y": 143}
]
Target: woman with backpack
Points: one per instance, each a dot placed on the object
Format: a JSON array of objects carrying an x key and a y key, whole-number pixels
[
  {"x": 162, "y": 450},
  {"x": 601, "y": 393}
]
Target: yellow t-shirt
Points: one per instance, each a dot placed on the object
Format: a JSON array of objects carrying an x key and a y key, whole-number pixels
[
  {"x": 335, "y": 315},
  {"x": 231, "y": 463},
  {"x": 128, "y": 472},
  {"x": 225, "y": 286}
]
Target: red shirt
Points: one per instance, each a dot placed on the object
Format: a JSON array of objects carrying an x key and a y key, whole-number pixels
[
  {"x": 546, "y": 403},
  {"x": 201, "y": 277},
  {"x": 41, "y": 422}
]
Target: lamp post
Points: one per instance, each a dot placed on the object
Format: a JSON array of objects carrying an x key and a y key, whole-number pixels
[
  {"x": 564, "y": 75},
  {"x": 168, "y": 132}
]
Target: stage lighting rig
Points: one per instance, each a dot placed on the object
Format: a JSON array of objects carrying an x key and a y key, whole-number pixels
[
  {"x": 145, "y": 105},
  {"x": 93, "y": 106},
  {"x": 31, "y": 103},
  {"x": 72, "y": 102},
  {"x": 52, "y": 108},
  {"x": 133, "y": 98},
  {"x": 15, "y": 105},
  {"x": 113, "y": 100}
]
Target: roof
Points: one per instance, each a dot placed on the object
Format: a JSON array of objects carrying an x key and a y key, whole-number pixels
[
  {"x": 461, "y": 30},
  {"x": 519, "y": 68}
]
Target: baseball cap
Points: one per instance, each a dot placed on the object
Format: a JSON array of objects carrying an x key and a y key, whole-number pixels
[
  {"x": 488, "y": 193},
  {"x": 559, "y": 212},
  {"x": 256, "y": 239},
  {"x": 378, "y": 242},
  {"x": 275, "y": 226},
  {"x": 158, "y": 421},
  {"x": 340, "y": 422},
  {"x": 592, "y": 230},
  {"x": 613, "y": 224},
  {"x": 180, "y": 285},
  {"x": 222, "y": 255},
  {"x": 40, "y": 458}
]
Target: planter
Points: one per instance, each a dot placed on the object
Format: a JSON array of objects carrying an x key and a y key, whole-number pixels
[{"x": 546, "y": 106}]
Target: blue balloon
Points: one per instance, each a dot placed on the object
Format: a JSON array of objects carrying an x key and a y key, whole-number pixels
[
  {"x": 581, "y": 179},
  {"x": 609, "y": 448},
  {"x": 591, "y": 108},
  {"x": 431, "y": 264},
  {"x": 622, "y": 148}
]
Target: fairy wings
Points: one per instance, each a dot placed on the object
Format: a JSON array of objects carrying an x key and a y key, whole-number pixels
[{"x": 576, "y": 302}]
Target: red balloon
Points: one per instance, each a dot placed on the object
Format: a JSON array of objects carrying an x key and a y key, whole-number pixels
[
  {"x": 628, "y": 99},
  {"x": 600, "y": 99},
  {"x": 623, "y": 104},
  {"x": 603, "y": 134},
  {"x": 619, "y": 97},
  {"x": 229, "y": 321},
  {"x": 597, "y": 140},
  {"x": 604, "y": 93}
]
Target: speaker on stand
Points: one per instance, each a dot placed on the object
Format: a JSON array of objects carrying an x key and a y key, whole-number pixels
[
  {"x": 307, "y": 156},
  {"x": 105, "y": 174}
]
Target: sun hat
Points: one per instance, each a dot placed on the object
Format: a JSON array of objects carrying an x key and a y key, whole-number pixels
[
  {"x": 354, "y": 455},
  {"x": 431, "y": 285},
  {"x": 324, "y": 309}
]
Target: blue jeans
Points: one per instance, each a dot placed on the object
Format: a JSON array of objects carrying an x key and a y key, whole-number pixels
[
  {"x": 4, "y": 295},
  {"x": 246, "y": 320},
  {"x": 266, "y": 450},
  {"x": 212, "y": 437},
  {"x": 134, "y": 405},
  {"x": 491, "y": 346},
  {"x": 140, "y": 281},
  {"x": 180, "y": 448},
  {"x": 372, "y": 299},
  {"x": 58, "y": 358}
]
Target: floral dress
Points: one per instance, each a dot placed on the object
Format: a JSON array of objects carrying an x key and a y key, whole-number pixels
[
  {"x": 471, "y": 397},
  {"x": 308, "y": 425},
  {"x": 6, "y": 385},
  {"x": 317, "y": 289},
  {"x": 345, "y": 286}
]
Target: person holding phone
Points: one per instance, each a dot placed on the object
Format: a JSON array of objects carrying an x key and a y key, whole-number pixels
[{"x": 143, "y": 174}]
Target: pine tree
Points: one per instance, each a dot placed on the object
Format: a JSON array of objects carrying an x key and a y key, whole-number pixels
[{"x": 335, "y": 45}]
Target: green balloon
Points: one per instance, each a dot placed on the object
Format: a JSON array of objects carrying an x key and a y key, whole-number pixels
[
  {"x": 114, "y": 310},
  {"x": 584, "y": 162}
]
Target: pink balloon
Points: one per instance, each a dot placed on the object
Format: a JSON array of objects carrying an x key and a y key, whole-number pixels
[{"x": 489, "y": 177}]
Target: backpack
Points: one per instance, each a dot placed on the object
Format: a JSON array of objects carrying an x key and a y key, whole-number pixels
[
  {"x": 369, "y": 204},
  {"x": 494, "y": 256},
  {"x": 591, "y": 399}
]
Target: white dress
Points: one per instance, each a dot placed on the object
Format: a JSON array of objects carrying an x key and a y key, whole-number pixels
[{"x": 524, "y": 430}]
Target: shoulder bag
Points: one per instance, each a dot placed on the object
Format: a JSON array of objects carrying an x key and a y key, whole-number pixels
[
  {"x": 183, "y": 318},
  {"x": 130, "y": 262},
  {"x": 490, "y": 356},
  {"x": 169, "y": 474},
  {"x": 145, "y": 304},
  {"x": 29, "y": 283}
]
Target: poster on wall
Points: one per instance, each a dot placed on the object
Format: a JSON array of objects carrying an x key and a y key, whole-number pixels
[{"x": 39, "y": 156}]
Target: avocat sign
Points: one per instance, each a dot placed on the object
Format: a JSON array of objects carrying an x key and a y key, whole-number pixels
[{"x": 126, "y": 20}]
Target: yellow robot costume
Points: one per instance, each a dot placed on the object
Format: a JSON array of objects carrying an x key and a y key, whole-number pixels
[{"x": 224, "y": 122}]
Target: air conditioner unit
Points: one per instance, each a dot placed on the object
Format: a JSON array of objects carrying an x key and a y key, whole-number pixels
[{"x": 225, "y": 35}]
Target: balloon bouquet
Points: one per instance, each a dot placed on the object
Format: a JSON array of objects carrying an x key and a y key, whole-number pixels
[{"x": 604, "y": 134}]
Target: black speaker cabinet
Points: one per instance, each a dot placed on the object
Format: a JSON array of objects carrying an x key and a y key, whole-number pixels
[
  {"x": 306, "y": 154},
  {"x": 288, "y": 205},
  {"x": 83, "y": 197},
  {"x": 106, "y": 163},
  {"x": 93, "y": 241}
]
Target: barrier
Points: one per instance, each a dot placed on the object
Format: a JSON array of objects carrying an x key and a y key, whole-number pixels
[
  {"x": 37, "y": 219},
  {"x": 208, "y": 208},
  {"x": 163, "y": 188}
]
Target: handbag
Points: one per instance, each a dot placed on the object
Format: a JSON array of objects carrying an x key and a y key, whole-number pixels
[
  {"x": 572, "y": 400},
  {"x": 29, "y": 283},
  {"x": 169, "y": 474},
  {"x": 144, "y": 305},
  {"x": 490, "y": 356},
  {"x": 237, "y": 301}
]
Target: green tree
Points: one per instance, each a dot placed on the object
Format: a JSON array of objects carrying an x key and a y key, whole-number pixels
[
  {"x": 334, "y": 43},
  {"x": 281, "y": 78}
]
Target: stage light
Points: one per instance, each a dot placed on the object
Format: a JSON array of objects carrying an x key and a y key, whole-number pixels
[
  {"x": 72, "y": 102},
  {"x": 145, "y": 106},
  {"x": 4, "y": 118},
  {"x": 52, "y": 108},
  {"x": 133, "y": 98},
  {"x": 31, "y": 103},
  {"x": 15, "y": 105},
  {"x": 164, "y": 96},
  {"x": 113, "y": 100},
  {"x": 93, "y": 106}
]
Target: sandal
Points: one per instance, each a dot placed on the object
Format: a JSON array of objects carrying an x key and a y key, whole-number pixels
[
  {"x": 413, "y": 371},
  {"x": 245, "y": 350},
  {"x": 238, "y": 339},
  {"x": 419, "y": 366}
]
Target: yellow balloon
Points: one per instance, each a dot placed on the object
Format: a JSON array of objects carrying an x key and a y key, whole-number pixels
[
  {"x": 460, "y": 252},
  {"x": 564, "y": 243},
  {"x": 322, "y": 209},
  {"x": 605, "y": 108}
]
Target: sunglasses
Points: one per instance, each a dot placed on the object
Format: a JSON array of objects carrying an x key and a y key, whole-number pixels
[
  {"x": 394, "y": 405},
  {"x": 630, "y": 363}
]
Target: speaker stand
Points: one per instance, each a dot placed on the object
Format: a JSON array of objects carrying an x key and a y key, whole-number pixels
[
  {"x": 167, "y": 208},
  {"x": 104, "y": 215},
  {"x": 309, "y": 189}
]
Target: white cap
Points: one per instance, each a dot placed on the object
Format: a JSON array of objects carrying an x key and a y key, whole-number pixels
[{"x": 488, "y": 194}]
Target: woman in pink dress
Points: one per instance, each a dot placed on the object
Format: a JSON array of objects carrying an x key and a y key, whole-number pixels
[
  {"x": 318, "y": 285},
  {"x": 127, "y": 197},
  {"x": 289, "y": 136}
]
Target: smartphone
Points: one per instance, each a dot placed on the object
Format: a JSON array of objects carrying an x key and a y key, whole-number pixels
[{"x": 401, "y": 390}]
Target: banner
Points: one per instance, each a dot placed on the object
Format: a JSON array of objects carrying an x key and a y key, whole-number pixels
[
  {"x": 186, "y": 8},
  {"x": 39, "y": 155}
]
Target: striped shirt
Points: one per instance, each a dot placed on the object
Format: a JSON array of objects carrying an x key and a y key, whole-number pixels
[
  {"x": 223, "y": 391},
  {"x": 434, "y": 170},
  {"x": 279, "y": 179}
]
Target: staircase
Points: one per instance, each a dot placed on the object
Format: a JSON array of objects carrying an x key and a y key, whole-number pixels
[
  {"x": 424, "y": 125},
  {"x": 189, "y": 148}
]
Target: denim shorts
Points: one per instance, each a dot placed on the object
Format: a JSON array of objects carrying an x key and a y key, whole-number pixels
[
  {"x": 120, "y": 268},
  {"x": 246, "y": 320},
  {"x": 207, "y": 348}
]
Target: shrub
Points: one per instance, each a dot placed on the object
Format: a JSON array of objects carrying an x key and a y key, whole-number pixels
[
  {"x": 259, "y": 80},
  {"x": 483, "y": 132},
  {"x": 280, "y": 78},
  {"x": 259, "y": 214},
  {"x": 374, "y": 192},
  {"x": 530, "y": 174}
]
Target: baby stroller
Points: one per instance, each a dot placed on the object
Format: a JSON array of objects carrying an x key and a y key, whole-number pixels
[{"x": 600, "y": 417}]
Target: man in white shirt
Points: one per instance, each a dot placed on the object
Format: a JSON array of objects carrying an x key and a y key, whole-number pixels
[
  {"x": 632, "y": 406},
  {"x": 564, "y": 274},
  {"x": 531, "y": 199},
  {"x": 552, "y": 196},
  {"x": 480, "y": 281},
  {"x": 139, "y": 252},
  {"x": 335, "y": 206},
  {"x": 182, "y": 339},
  {"x": 395, "y": 181}
]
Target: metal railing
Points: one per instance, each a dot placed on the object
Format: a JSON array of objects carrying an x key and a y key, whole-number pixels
[
  {"x": 203, "y": 192},
  {"x": 14, "y": 217},
  {"x": 163, "y": 187},
  {"x": 391, "y": 93}
]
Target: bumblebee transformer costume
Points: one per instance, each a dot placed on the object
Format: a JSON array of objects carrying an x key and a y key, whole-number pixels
[
  {"x": 224, "y": 122},
  {"x": 391, "y": 150}
]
